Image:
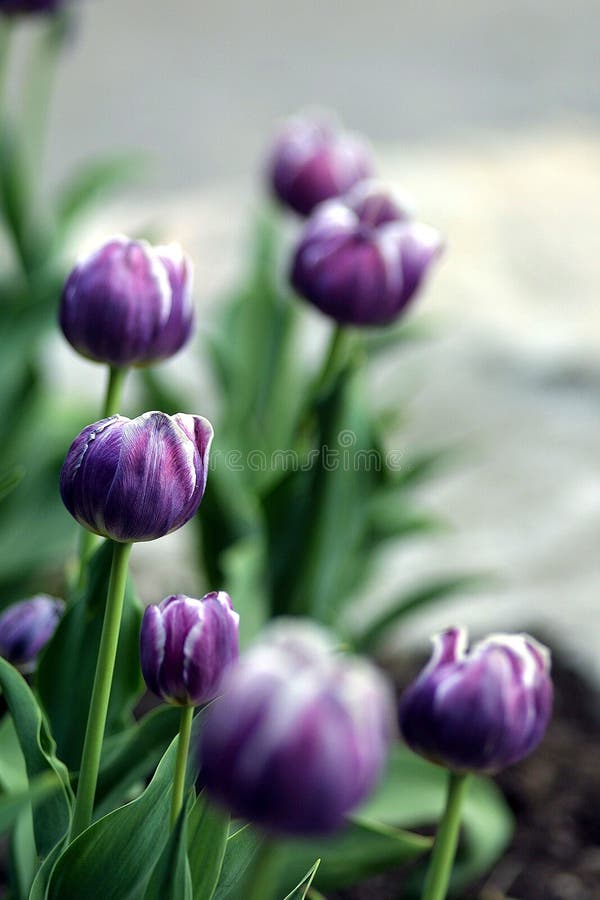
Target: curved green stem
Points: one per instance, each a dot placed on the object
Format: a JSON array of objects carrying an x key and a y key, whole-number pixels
[
  {"x": 112, "y": 402},
  {"x": 105, "y": 666},
  {"x": 262, "y": 881},
  {"x": 446, "y": 841},
  {"x": 183, "y": 746}
]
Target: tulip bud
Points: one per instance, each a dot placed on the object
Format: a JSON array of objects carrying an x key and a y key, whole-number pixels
[
  {"x": 137, "y": 479},
  {"x": 15, "y": 7},
  {"x": 26, "y": 627},
  {"x": 360, "y": 260},
  {"x": 186, "y": 645},
  {"x": 128, "y": 303},
  {"x": 479, "y": 710},
  {"x": 312, "y": 161},
  {"x": 300, "y": 735}
]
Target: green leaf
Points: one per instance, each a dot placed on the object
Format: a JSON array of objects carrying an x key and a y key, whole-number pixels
[
  {"x": 68, "y": 664},
  {"x": 129, "y": 755},
  {"x": 208, "y": 830},
  {"x": 171, "y": 879},
  {"x": 413, "y": 796},
  {"x": 420, "y": 596},
  {"x": 244, "y": 570},
  {"x": 365, "y": 847},
  {"x": 13, "y": 804},
  {"x": 241, "y": 852},
  {"x": 53, "y": 813},
  {"x": 13, "y": 779},
  {"x": 9, "y": 480},
  {"x": 302, "y": 889},
  {"x": 92, "y": 183},
  {"x": 315, "y": 516},
  {"x": 113, "y": 858}
]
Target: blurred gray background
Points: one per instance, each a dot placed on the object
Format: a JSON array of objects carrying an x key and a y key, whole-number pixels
[
  {"x": 488, "y": 113},
  {"x": 200, "y": 84}
]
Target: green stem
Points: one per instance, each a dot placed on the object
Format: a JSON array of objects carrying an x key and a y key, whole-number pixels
[
  {"x": 336, "y": 353},
  {"x": 183, "y": 746},
  {"x": 105, "y": 666},
  {"x": 112, "y": 402},
  {"x": 446, "y": 841},
  {"x": 262, "y": 881},
  {"x": 114, "y": 391}
]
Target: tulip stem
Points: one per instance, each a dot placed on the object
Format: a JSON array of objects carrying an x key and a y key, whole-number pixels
[
  {"x": 183, "y": 746},
  {"x": 114, "y": 391},
  {"x": 446, "y": 841},
  {"x": 105, "y": 666},
  {"x": 334, "y": 359},
  {"x": 112, "y": 402},
  {"x": 262, "y": 881}
]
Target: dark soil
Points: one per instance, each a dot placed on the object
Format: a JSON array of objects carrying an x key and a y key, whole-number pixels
[{"x": 555, "y": 796}]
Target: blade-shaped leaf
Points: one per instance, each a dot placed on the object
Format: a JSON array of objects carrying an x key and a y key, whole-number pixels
[
  {"x": 53, "y": 813},
  {"x": 113, "y": 858},
  {"x": 208, "y": 831},
  {"x": 243, "y": 846},
  {"x": 364, "y": 848},
  {"x": 302, "y": 889},
  {"x": 171, "y": 879}
]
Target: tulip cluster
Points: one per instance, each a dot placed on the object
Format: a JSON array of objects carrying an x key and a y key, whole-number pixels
[{"x": 360, "y": 257}]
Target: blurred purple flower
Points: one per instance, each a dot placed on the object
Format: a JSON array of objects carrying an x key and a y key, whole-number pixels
[
  {"x": 301, "y": 734},
  {"x": 361, "y": 259},
  {"x": 313, "y": 161},
  {"x": 481, "y": 710},
  {"x": 186, "y": 645},
  {"x": 15, "y": 7},
  {"x": 128, "y": 303},
  {"x": 137, "y": 479},
  {"x": 26, "y": 627}
]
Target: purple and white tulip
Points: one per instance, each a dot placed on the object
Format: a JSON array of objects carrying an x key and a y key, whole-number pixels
[
  {"x": 26, "y": 627},
  {"x": 361, "y": 260},
  {"x": 301, "y": 734},
  {"x": 16, "y": 7},
  {"x": 312, "y": 161},
  {"x": 128, "y": 303},
  {"x": 187, "y": 645},
  {"x": 479, "y": 710},
  {"x": 137, "y": 479}
]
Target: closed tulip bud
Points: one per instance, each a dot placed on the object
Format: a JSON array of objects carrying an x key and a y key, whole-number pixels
[
  {"x": 26, "y": 627},
  {"x": 312, "y": 161},
  {"x": 137, "y": 479},
  {"x": 128, "y": 303},
  {"x": 361, "y": 260},
  {"x": 186, "y": 646},
  {"x": 300, "y": 736},
  {"x": 479, "y": 710}
]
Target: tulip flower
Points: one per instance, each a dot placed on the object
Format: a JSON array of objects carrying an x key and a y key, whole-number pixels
[
  {"x": 300, "y": 735},
  {"x": 26, "y": 627},
  {"x": 186, "y": 646},
  {"x": 128, "y": 303},
  {"x": 313, "y": 161},
  {"x": 137, "y": 479},
  {"x": 361, "y": 259},
  {"x": 475, "y": 711}
]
